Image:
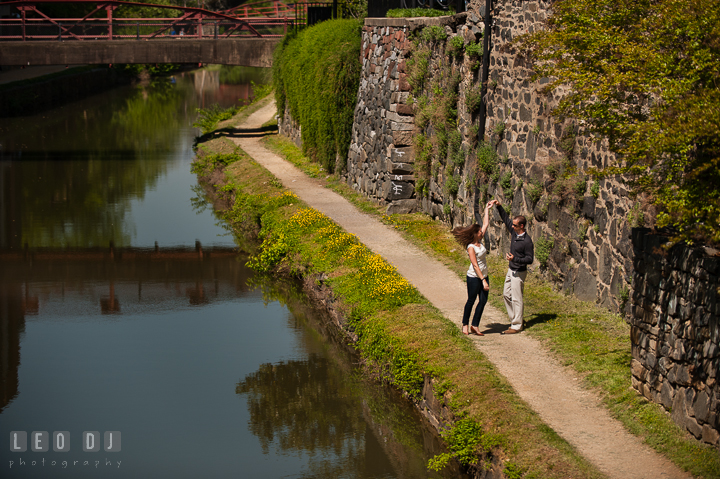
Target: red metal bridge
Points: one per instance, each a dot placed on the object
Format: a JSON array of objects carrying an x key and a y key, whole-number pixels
[{"x": 26, "y": 20}]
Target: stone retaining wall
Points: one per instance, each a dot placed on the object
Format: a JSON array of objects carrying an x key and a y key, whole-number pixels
[
  {"x": 675, "y": 330},
  {"x": 591, "y": 253}
]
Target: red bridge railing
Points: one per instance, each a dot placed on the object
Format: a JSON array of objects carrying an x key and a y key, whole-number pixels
[{"x": 30, "y": 23}]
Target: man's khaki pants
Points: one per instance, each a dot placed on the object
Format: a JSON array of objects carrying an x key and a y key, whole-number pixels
[{"x": 513, "y": 296}]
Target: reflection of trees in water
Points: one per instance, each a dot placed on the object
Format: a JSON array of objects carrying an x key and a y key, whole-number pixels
[
  {"x": 312, "y": 406},
  {"x": 152, "y": 118},
  {"x": 236, "y": 75},
  {"x": 303, "y": 405}
]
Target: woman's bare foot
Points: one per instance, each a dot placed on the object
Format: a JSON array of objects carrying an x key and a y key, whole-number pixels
[{"x": 465, "y": 329}]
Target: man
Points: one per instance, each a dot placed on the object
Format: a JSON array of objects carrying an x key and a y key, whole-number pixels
[{"x": 520, "y": 256}]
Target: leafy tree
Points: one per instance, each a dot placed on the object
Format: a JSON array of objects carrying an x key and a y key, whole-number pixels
[{"x": 646, "y": 75}]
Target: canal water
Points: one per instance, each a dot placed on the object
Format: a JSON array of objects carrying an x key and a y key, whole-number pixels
[{"x": 130, "y": 327}]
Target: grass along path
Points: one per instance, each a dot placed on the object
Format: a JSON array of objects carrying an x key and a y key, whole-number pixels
[
  {"x": 541, "y": 381},
  {"x": 592, "y": 342}
]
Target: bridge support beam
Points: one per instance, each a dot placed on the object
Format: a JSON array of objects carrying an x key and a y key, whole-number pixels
[{"x": 251, "y": 52}]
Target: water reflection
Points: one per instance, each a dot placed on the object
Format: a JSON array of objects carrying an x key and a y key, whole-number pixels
[
  {"x": 321, "y": 408},
  {"x": 69, "y": 176}
]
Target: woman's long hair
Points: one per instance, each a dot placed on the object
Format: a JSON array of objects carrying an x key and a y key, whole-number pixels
[{"x": 466, "y": 235}]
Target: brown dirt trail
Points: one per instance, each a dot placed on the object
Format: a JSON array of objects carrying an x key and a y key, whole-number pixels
[{"x": 549, "y": 388}]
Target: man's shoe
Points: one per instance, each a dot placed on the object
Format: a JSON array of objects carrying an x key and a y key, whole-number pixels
[{"x": 510, "y": 331}]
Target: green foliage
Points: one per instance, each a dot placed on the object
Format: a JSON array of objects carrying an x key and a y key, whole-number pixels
[
  {"x": 316, "y": 74},
  {"x": 474, "y": 51},
  {"x": 418, "y": 66},
  {"x": 414, "y": 12},
  {"x": 595, "y": 189},
  {"x": 433, "y": 34},
  {"x": 636, "y": 216},
  {"x": 534, "y": 190},
  {"x": 464, "y": 440},
  {"x": 582, "y": 232},
  {"x": 452, "y": 185},
  {"x": 487, "y": 160},
  {"x": 457, "y": 156},
  {"x": 455, "y": 46},
  {"x": 543, "y": 247},
  {"x": 623, "y": 296},
  {"x": 204, "y": 164},
  {"x": 645, "y": 75},
  {"x": 473, "y": 99},
  {"x": 473, "y": 133},
  {"x": 208, "y": 118},
  {"x": 513, "y": 471},
  {"x": 506, "y": 184},
  {"x": 499, "y": 129}
]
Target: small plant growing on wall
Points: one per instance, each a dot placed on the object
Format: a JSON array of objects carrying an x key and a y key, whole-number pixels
[
  {"x": 487, "y": 160},
  {"x": 506, "y": 185},
  {"x": 473, "y": 133},
  {"x": 452, "y": 185},
  {"x": 499, "y": 129},
  {"x": 474, "y": 50},
  {"x": 636, "y": 216},
  {"x": 595, "y": 189},
  {"x": 456, "y": 46},
  {"x": 433, "y": 34},
  {"x": 473, "y": 99},
  {"x": 534, "y": 190},
  {"x": 543, "y": 248},
  {"x": 582, "y": 231}
]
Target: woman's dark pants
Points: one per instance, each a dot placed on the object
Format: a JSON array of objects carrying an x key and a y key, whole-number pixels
[{"x": 475, "y": 289}]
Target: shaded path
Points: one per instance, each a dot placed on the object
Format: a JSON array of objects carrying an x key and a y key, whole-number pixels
[{"x": 549, "y": 388}]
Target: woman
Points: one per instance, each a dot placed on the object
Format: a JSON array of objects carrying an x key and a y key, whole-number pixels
[{"x": 478, "y": 281}]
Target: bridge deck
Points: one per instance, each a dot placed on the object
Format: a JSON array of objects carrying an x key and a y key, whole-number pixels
[{"x": 251, "y": 52}]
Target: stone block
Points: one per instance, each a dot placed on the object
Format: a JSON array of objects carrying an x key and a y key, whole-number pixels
[
  {"x": 402, "y": 207},
  {"x": 397, "y": 190},
  {"x": 638, "y": 370},
  {"x": 679, "y": 412},
  {"x": 397, "y": 126},
  {"x": 402, "y": 154},
  {"x": 693, "y": 427},
  {"x": 400, "y": 168},
  {"x": 403, "y": 109},
  {"x": 701, "y": 407},
  {"x": 710, "y": 435},
  {"x": 666, "y": 395},
  {"x": 585, "y": 284},
  {"x": 402, "y": 138}
]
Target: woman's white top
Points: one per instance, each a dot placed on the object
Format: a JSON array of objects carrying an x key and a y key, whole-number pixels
[{"x": 480, "y": 254}]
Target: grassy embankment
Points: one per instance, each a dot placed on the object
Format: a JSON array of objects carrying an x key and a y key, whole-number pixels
[
  {"x": 402, "y": 337},
  {"x": 593, "y": 342}
]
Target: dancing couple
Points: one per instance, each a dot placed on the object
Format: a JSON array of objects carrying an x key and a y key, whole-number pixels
[{"x": 478, "y": 280}]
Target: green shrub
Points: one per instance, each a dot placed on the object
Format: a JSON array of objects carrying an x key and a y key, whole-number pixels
[
  {"x": 452, "y": 185},
  {"x": 418, "y": 66},
  {"x": 595, "y": 189},
  {"x": 473, "y": 99},
  {"x": 414, "y": 12},
  {"x": 487, "y": 159},
  {"x": 636, "y": 216},
  {"x": 456, "y": 153},
  {"x": 474, "y": 51},
  {"x": 543, "y": 248},
  {"x": 473, "y": 133},
  {"x": 534, "y": 190},
  {"x": 316, "y": 74},
  {"x": 506, "y": 185},
  {"x": 433, "y": 34},
  {"x": 455, "y": 46},
  {"x": 208, "y": 118}
]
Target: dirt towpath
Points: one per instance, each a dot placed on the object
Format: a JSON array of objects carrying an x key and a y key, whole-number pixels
[{"x": 549, "y": 388}]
